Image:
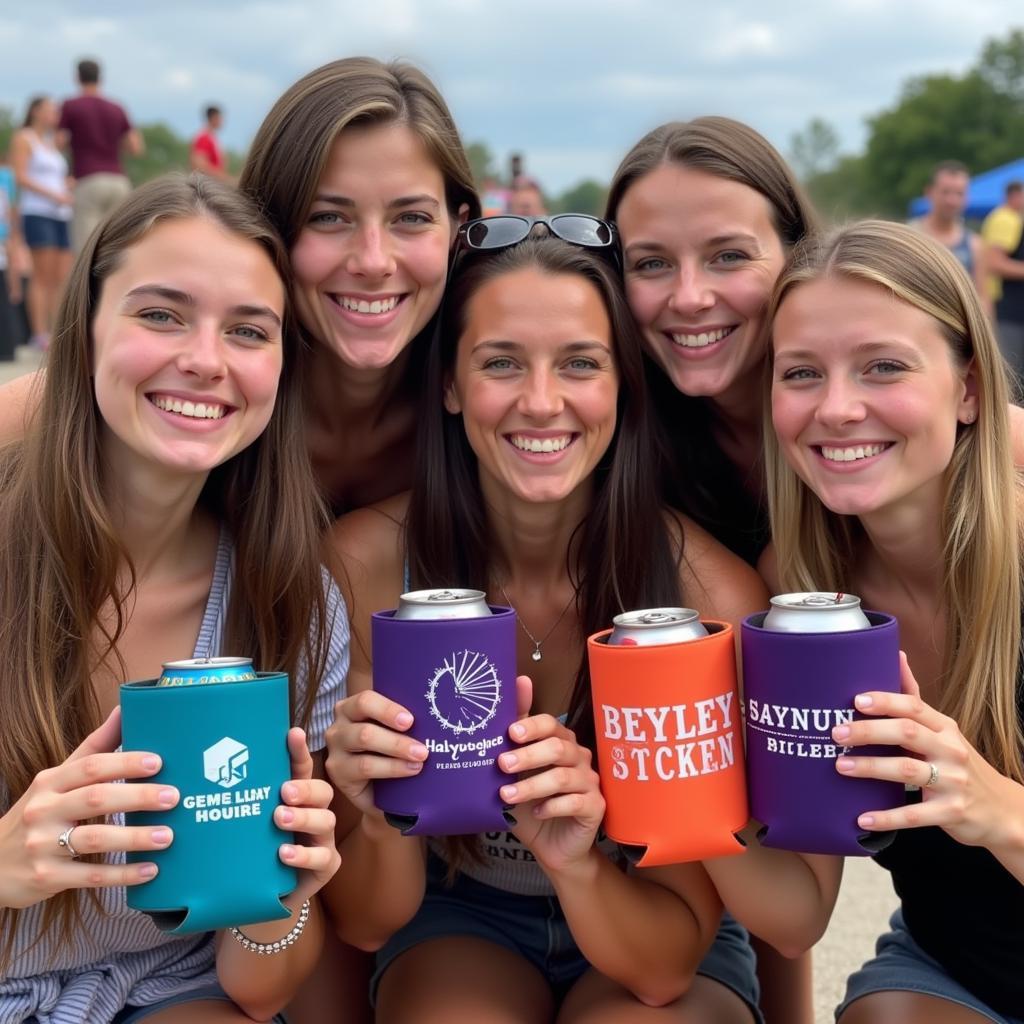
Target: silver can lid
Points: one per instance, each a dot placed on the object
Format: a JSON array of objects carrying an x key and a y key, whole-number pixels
[
  {"x": 442, "y": 597},
  {"x": 188, "y": 663},
  {"x": 656, "y": 618},
  {"x": 817, "y": 601}
]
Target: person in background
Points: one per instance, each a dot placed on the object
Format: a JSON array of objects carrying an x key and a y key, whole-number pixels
[
  {"x": 890, "y": 475},
  {"x": 10, "y": 275},
  {"x": 1003, "y": 234},
  {"x": 205, "y": 153},
  {"x": 947, "y": 192},
  {"x": 526, "y": 199},
  {"x": 97, "y": 131},
  {"x": 41, "y": 174}
]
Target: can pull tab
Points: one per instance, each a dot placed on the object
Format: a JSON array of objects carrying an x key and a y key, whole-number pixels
[
  {"x": 655, "y": 618},
  {"x": 442, "y": 595}
]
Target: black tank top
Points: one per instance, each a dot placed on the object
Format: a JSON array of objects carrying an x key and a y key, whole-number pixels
[{"x": 1010, "y": 307}]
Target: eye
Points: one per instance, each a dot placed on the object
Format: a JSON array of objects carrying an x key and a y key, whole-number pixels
[
  {"x": 158, "y": 317},
  {"x": 414, "y": 219},
  {"x": 582, "y": 363},
  {"x": 325, "y": 218},
  {"x": 886, "y": 367},
  {"x": 250, "y": 332},
  {"x": 650, "y": 265},
  {"x": 731, "y": 257},
  {"x": 798, "y": 373},
  {"x": 499, "y": 363}
]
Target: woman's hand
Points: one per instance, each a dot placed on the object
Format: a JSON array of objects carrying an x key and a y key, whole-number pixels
[
  {"x": 960, "y": 791},
  {"x": 306, "y": 810},
  {"x": 35, "y": 865},
  {"x": 366, "y": 742},
  {"x": 557, "y": 800}
]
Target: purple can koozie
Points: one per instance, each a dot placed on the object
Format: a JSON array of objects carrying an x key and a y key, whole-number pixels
[
  {"x": 457, "y": 679},
  {"x": 797, "y": 688}
]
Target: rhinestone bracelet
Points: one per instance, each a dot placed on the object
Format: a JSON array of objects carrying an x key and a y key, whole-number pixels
[{"x": 267, "y": 948}]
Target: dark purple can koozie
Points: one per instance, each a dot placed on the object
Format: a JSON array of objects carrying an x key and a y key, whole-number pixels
[
  {"x": 457, "y": 678},
  {"x": 797, "y": 688}
]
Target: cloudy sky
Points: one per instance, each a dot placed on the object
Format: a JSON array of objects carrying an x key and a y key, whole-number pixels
[{"x": 572, "y": 83}]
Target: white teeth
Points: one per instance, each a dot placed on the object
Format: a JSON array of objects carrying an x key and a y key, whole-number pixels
[
  {"x": 700, "y": 340},
  {"x": 536, "y": 444},
  {"x": 363, "y": 306},
  {"x": 851, "y": 454},
  {"x": 194, "y": 410}
]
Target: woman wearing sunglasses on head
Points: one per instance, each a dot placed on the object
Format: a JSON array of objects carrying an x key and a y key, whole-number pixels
[
  {"x": 892, "y": 477},
  {"x": 536, "y": 485},
  {"x": 360, "y": 168}
]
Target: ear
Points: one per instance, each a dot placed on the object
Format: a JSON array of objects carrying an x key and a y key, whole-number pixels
[
  {"x": 451, "y": 399},
  {"x": 967, "y": 411},
  {"x": 458, "y": 220}
]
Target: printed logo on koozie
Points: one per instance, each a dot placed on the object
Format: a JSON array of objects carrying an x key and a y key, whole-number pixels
[{"x": 226, "y": 762}]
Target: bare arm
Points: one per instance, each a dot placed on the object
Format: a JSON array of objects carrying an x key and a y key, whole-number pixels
[
  {"x": 19, "y": 399},
  {"x": 1000, "y": 263},
  {"x": 785, "y": 898},
  {"x": 133, "y": 142},
  {"x": 979, "y": 273},
  {"x": 381, "y": 883},
  {"x": 21, "y": 153}
]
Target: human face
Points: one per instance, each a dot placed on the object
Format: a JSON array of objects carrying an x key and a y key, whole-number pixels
[
  {"x": 370, "y": 261},
  {"x": 948, "y": 193},
  {"x": 701, "y": 258},
  {"x": 186, "y": 348},
  {"x": 866, "y": 397},
  {"x": 536, "y": 383},
  {"x": 46, "y": 116}
]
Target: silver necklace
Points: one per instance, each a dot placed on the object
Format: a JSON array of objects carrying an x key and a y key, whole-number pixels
[{"x": 536, "y": 655}]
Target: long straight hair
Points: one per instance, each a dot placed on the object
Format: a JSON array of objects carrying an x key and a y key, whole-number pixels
[
  {"x": 65, "y": 579},
  {"x": 981, "y": 520}
]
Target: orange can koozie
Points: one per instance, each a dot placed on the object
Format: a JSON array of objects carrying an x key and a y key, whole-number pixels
[{"x": 669, "y": 738}]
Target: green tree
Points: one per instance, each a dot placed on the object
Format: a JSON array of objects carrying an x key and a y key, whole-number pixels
[
  {"x": 1002, "y": 65},
  {"x": 481, "y": 162},
  {"x": 842, "y": 192},
  {"x": 165, "y": 151},
  {"x": 587, "y": 197},
  {"x": 814, "y": 150},
  {"x": 7, "y": 128}
]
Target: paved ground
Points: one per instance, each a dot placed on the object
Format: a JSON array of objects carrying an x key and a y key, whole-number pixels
[{"x": 865, "y": 901}]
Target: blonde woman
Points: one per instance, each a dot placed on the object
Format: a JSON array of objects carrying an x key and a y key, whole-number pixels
[{"x": 891, "y": 476}]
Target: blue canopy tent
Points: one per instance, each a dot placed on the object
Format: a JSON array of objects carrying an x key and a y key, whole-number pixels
[{"x": 986, "y": 192}]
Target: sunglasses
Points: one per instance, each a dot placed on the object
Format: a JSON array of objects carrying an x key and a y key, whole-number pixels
[{"x": 490, "y": 234}]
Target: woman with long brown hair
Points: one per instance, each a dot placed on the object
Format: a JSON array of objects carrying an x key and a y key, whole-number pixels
[
  {"x": 159, "y": 507},
  {"x": 536, "y": 484}
]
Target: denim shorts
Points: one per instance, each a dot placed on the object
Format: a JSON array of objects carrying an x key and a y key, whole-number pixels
[
  {"x": 45, "y": 232},
  {"x": 536, "y": 929},
  {"x": 137, "y": 1014},
  {"x": 901, "y": 965}
]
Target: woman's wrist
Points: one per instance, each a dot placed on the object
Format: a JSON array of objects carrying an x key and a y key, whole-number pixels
[{"x": 284, "y": 931}]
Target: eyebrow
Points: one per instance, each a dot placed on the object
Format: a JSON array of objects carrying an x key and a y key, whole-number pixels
[
  {"x": 864, "y": 348},
  {"x": 737, "y": 237},
  {"x": 424, "y": 199},
  {"x": 162, "y": 291},
  {"x": 514, "y": 346}
]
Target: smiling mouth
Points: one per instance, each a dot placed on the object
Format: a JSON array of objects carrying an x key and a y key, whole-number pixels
[
  {"x": 190, "y": 410},
  {"x": 702, "y": 339},
  {"x": 374, "y": 307},
  {"x": 851, "y": 453},
  {"x": 540, "y": 445}
]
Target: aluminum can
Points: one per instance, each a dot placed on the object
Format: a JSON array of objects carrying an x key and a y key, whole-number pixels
[
  {"x": 656, "y": 626},
  {"x": 194, "y": 671},
  {"x": 816, "y": 613},
  {"x": 443, "y": 604}
]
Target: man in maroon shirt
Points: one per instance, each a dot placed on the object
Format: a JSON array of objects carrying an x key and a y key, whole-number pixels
[{"x": 96, "y": 129}]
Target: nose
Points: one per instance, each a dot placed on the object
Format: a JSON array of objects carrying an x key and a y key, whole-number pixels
[
  {"x": 541, "y": 398},
  {"x": 691, "y": 292},
  {"x": 840, "y": 402},
  {"x": 203, "y": 353},
  {"x": 371, "y": 254}
]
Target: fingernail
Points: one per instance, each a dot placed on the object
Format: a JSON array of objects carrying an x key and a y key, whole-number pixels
[
  {"x": 414, "y": 766},
  {"x": 845, "y": 764},
  {"x": 168, "y": 797},
  {"x": 161, "y": 836},
  {"x": 151, "y": 762},
  {"x": 862, "y": 700},
  {"x": 286, "y": 815},
  {"x": 147, "y": 870},
  {"x": 404, "y": 719},
  {"x": 288, "y": 851},
  {"x": 419, "y": 751},
  {"x": 290, "y": 792},
  {"x": 866, "y": 820},
  {"x": 840, "y": 732},
  {"x": 509, "y": 792},
  {"x": 518, "y": 731},
  {"x": 509, "y": 761}
]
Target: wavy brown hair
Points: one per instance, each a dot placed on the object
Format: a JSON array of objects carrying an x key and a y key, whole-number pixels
[
  {"x": 981, "y": 519},
  {"x": 62, "y": 566}
]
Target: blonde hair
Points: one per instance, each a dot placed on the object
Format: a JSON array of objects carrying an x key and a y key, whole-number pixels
[{"x": 981, "y": 519}]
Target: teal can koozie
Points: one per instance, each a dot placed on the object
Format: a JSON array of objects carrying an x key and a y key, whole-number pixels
[{"x": 224, "y": 747}]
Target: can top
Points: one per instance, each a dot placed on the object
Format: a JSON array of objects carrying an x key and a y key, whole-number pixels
[
  {"x": 208, "y": 663},
  {"x": 656, "y": 618},
  {"x": 817, "y": 601},
  {"x": 444, "y": 597}
]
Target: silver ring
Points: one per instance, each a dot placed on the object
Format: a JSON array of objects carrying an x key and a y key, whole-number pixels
[
  {"x": 64, "y": 841},
  {"x": 933, "y": 775}
]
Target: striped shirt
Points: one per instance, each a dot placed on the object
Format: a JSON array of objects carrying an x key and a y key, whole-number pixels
[{"x": 119, "y": 957}]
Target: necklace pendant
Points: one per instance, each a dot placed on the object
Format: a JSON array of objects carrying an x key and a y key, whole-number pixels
[{"x": 536, "y": 654}]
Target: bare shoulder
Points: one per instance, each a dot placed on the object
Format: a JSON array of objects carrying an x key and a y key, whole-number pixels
[
  {"x": 718, "y": 582},
  {"x": 1017, "y": 435},
  {"x": 368, "y": 542},
  {"x": 19, "y": 399},
  {"x": 768, "y": 569}
]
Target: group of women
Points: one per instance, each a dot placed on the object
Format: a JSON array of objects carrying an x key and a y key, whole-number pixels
[{"x": 576, "y": 417}]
